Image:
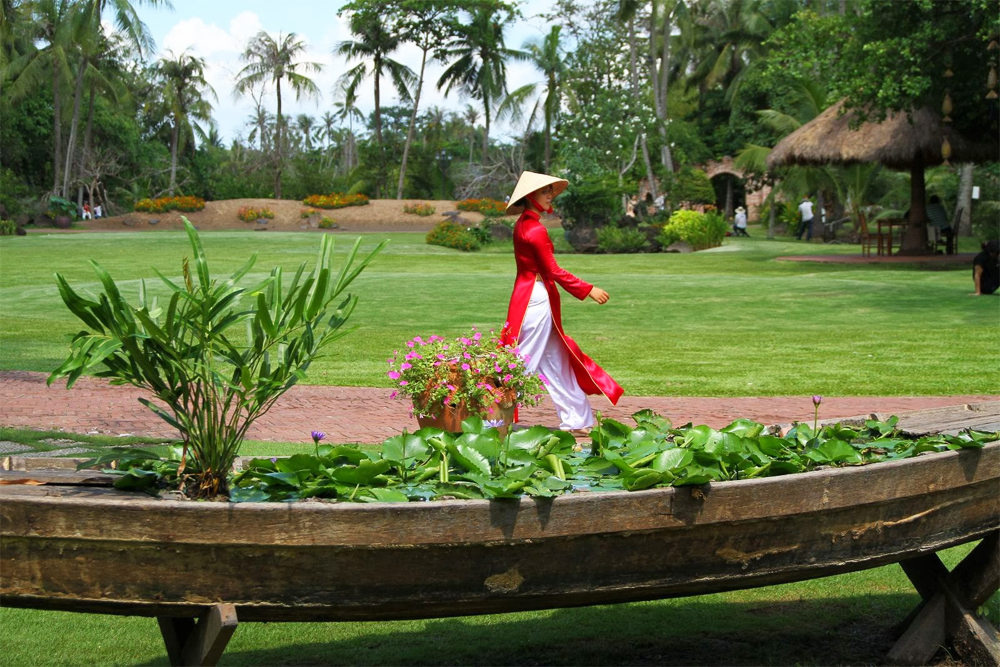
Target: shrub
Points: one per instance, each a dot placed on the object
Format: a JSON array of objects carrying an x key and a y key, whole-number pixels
[
  {"x": 335, "y": 200},
  {"x": 327, "y": 223},
  {"x": 491, "y": 208},
  {"x": 251, "y": 213},
  {"x": 450, "y": 235},
  {"x": 422, "y": 209},
  {"x": 306, "y": 212},
  {"x": 700, "y": 230},
  {"x": 692, "y": 185},
  {"x": 594, "y": 201},
  {"x": 614, "y": 240},
  {"x": 8, "y": 228},
  {"x": 164, "y": 204},
  {"x": 210, "y": 386}
]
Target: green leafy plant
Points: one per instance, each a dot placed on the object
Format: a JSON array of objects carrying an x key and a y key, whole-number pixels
[
  {"x": 592, "y": 201},
  {"x": 450, "y": 235},
  {"x": 700, "y": 230},
  {"x": 212, "y": 383},
  {"x": 8, "y": 227},
  {"x": 59, "y": 206},
  {"x": 478, "y": 463},
  {"x": 475, "y": 372},
  {"x": 614, "y": 240},
  {"x": 327, "y": 222}
]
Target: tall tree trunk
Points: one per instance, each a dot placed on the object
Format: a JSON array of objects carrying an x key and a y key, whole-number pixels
[
  {"x": 634, "y": 67},
  {"x": 71, "y": 147},
  {"x": 378, "y": 130},
  {"x": 770, "y": 218},
  {"x": 277, "y": 144},
  {"x": 963, "y": 207},
  {"x": 85, "y": 155},
  {"x": 820, "y": 215},
  {"x": 915, "y": 236},
  {"x": 729, "y": 198},
  {"x": 659, "y": 78},
  {"x": 413, "y": 123},
  {"x": 56, "y": 126},
  {"x": 486, "y": 129},
  {"x": 175, "y": 133}
]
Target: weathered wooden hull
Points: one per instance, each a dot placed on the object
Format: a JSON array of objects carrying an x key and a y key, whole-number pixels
[{"x": 96, "y": 549}]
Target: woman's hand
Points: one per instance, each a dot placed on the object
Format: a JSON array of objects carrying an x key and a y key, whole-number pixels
[{"x": 599, "y": 295}]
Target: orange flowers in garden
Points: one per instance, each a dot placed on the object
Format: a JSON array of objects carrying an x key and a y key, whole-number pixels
[
  {"x": 488, "y": 207},
  {"x": 164, "y": 204},
  {"x": 251, "y": 213},
  {"x": 422, "y": 209},
  {"x": 335, "y": 200}
]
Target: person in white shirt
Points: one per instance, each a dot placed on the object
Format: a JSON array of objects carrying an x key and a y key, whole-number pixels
[
  {"x": 98, "y": 213},
  {"x": 740, "y": 222},
  {"x": 806, "y": 211}
]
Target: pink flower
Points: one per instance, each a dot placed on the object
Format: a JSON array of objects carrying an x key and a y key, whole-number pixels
[
  {"x": 409, "y": 343},
  {"x": 497, "y": 368},
  {"x": 544, "y": 379},
  {"x": 508, "y": 377},
  {"x": 512, "y": 366},
  {"x": 404, "y": 366},
  {"x": 440, "y": 356},
  {"x": 394, "y": 394},
  {"x": 465, "y": 341},
  {"x": 452, "y": 387},
  {"x": 393, "y": 375},
  {"x": 477, "y": 336},
  {"x": 466, "y": 355},
  {"x": 403, "y": 383},
  {"x": 465, "y": 367},
  {"x": 418, "y": 339},
  {"x": 437, "y": 363}
]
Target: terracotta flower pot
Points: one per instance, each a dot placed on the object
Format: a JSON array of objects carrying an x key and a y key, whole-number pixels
[{"x": 452, "y": 417}]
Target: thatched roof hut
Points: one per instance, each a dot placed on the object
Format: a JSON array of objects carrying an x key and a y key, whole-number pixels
[
  {"x": 899, "y": 142},
  {"x": 902, "y": 141}
]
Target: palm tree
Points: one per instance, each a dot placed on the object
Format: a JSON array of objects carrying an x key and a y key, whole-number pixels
[
  {"x": 425, "y": 24},
  {"x": 471, "y": 116},
  {"x": 262, "y": 121},
  {"x": 268, "y": 59},
  {"x": 547, "y": 56},
  {"x": 347, "y": 108},
  {"x": 305, "y": 123},
  {"x": 480, "y": 61},
  {"x": 183, "y": 79},
  {"x": 51, "y": 24},
  {"x": 377, "y": 39},
  {"x": 88, "y": 34}
]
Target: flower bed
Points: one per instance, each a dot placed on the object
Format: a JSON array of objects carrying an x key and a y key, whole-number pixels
[
  {"x": 251, "y": 213},
  {"x": 335, "y": 200},
  {"x": 422, "y": 209},
  {"x": 164, "y": 204},
  {"x": 488, "y": 207},
  {"x": 451, "y": 235}
]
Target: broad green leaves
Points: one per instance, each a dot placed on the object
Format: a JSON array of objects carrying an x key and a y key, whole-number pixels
[
  {"x": 213, "y": 384},
  {"x": 432, "y": 464}
]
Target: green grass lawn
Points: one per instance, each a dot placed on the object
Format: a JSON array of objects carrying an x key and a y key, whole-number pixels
[
  {"x": 842, "y": 620},
  {"x": 728, "y": 322}
]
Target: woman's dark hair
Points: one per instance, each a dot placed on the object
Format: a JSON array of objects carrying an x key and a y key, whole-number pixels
[
  {"x": 992, "y": 246},
  {"x": 523, "y": 201},
  {"x": 935, "y": 199}
]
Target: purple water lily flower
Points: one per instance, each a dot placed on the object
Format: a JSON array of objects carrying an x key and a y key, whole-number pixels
[
  {"x": 493, "y": 423},
  {"x": 817, "y": 400},
  {"x": 317, "y": 436}
]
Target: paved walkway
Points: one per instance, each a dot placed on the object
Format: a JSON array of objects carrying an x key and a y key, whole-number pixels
[{"x": 368, "y": 415}]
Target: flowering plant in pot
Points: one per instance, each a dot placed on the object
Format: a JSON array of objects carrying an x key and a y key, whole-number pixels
[{"x": 450, "y": 380}]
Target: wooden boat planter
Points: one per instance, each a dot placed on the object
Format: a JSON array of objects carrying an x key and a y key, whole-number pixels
[{"x": 74, "y": 544}]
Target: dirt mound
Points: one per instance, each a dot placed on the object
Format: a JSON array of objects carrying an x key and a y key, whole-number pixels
[{"x": 380, "y": 215}]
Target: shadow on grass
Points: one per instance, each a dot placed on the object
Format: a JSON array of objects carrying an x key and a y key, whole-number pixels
[{"x": 850, "y": 630}]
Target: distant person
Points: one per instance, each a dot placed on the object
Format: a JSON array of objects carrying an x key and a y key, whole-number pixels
[
  {"x": 986, "y": 269},
  {"x": 740, "y": 222},
  {"x": 806, "y": 213},
  {"x": 86, "y": 212},
  {"x": 659, "y": 202},
  {"x": 98, "y": 212}
]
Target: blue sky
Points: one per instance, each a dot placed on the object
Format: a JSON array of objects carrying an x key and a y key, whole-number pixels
[{"x": 218, "y": 30}]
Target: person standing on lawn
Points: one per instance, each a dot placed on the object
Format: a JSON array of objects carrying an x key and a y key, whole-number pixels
[
  {"x": 806, "y": 211},
  {"x": 534, "y": 316}
]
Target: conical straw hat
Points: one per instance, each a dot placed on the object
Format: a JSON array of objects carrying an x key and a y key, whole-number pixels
[{"x": 530, "y": 181}]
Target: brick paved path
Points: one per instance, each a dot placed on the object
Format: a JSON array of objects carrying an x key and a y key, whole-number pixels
[{"x": 367, "y": 414}]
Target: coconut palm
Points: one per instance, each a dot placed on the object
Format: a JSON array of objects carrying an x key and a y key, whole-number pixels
[
  {"x": 547, "y": 56},
  {"x": 425, "y": 23},
  {"x": 479, "y": 61},
  {"x": 183, "y": 79},
  {"x": 376, "y": 40},
  {"x": 50, "y": 27},
  {"x": 471, "y": 117},
  {"x": 268, "y": 59},
  {"x": 88, "y": 33},
  {"x": 347, "y": 108}
]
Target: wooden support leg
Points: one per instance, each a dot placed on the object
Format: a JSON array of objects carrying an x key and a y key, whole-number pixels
[
  {"x": 947, "y": 614},
  {"x": 199, "y": 643}
]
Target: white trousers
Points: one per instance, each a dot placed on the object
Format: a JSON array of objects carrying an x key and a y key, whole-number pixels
[{"x": 541, "y": 344}]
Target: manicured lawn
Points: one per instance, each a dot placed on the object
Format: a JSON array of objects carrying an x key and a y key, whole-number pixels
[
  {"x": 728, "y": 322},
  {"x": 847, "y": 619}
]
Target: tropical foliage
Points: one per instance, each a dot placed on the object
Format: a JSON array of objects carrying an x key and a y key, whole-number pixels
[
  {"x": 477, "y": 463},
  {"x": 218, "y": 353},
  {"x": 452, "y": 235},
  {"x": 164, "y": 204}
]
